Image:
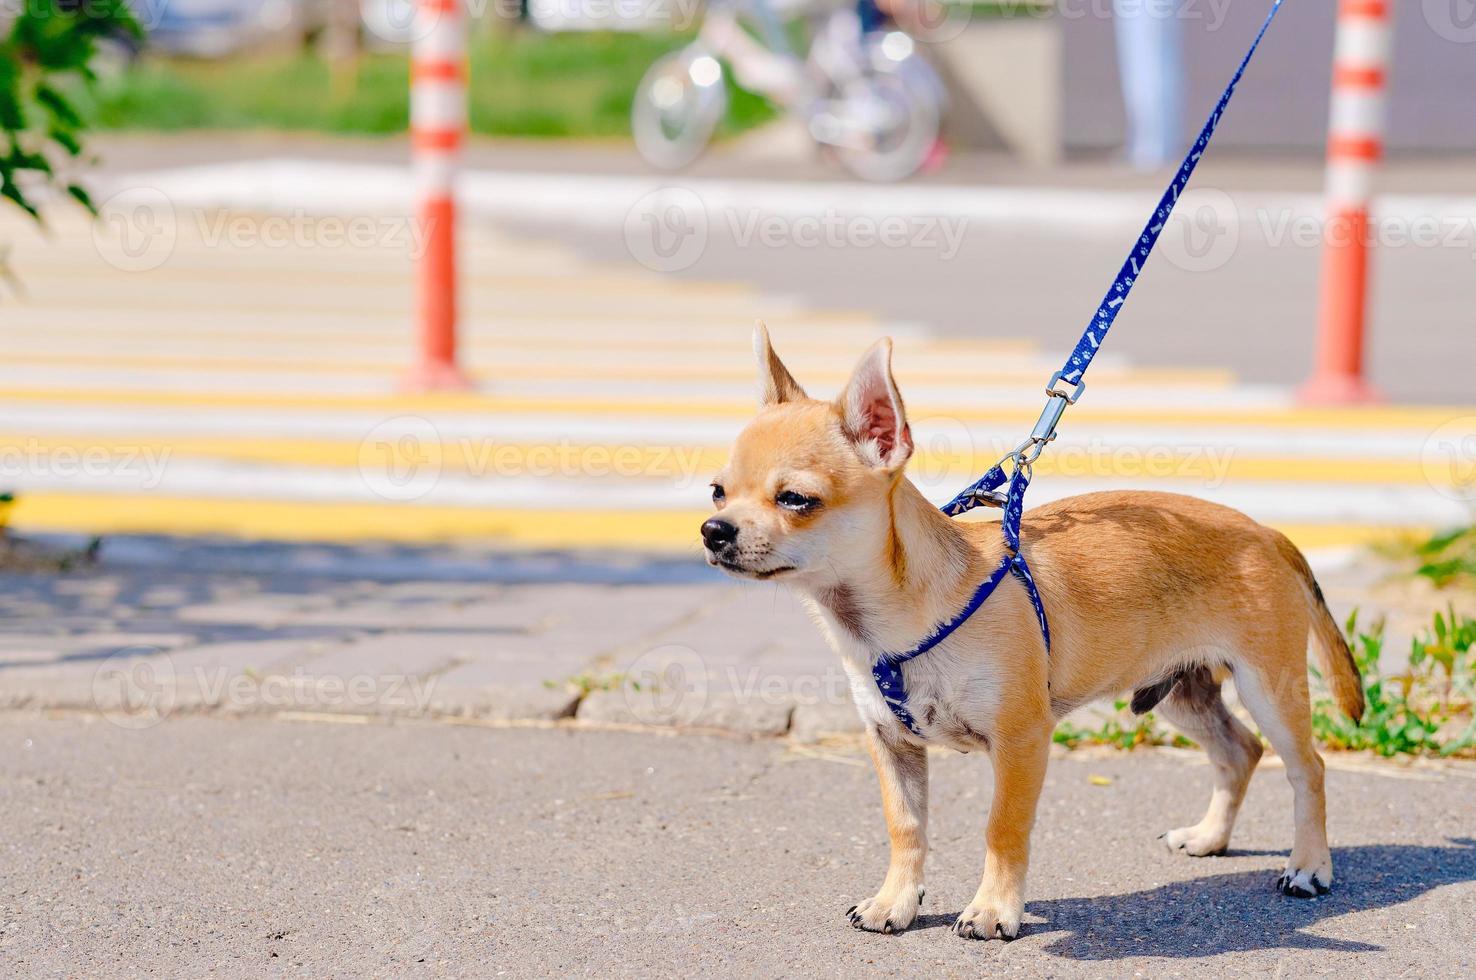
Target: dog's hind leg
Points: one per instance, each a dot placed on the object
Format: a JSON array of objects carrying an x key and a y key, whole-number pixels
[
  {"x": 902, "y": 769},
  {"x": 1274, "y": 689},
  {"x": 1195, "y": 707}
]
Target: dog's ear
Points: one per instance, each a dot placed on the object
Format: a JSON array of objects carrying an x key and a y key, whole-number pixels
[
  {"x": 776, "y": 384},
  {"x": 871, "y": 411}
]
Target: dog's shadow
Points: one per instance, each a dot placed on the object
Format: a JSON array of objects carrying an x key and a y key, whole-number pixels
[{"x": 1240, "y": 912}]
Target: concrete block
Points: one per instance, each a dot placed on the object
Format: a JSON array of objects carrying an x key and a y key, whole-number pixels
[{"x": 626, "y": 706}]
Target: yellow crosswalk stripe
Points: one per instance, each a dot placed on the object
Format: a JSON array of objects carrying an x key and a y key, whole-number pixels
[
  {"x": 382, "y": 323},
  {"x": 172, "y": 276},
  {"x": 1419, "y": 418},
  {"x": 658, "y": 531},
  {"x": 526, "y": 368},
  {"x": 505, "y": 459}
]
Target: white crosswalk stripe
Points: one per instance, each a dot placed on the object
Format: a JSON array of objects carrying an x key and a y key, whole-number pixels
[{"x": 251, "y": 390}]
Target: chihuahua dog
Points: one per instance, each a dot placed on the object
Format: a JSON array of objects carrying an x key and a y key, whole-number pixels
[{"x": 1163, "y": 595}]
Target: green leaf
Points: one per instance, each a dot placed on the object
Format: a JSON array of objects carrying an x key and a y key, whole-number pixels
[
  {"x": 12, "y": 193},
  {"x": 47, "y": 46},
  {"x": 56, "y": 104},
  {"x": 67, "y": 140},
  {"x": 80, "y": 195}
]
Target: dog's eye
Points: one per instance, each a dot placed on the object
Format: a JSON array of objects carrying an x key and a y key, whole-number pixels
[
  {"x": 718, "y": 494},
  {"x": 791, "y": 500}
]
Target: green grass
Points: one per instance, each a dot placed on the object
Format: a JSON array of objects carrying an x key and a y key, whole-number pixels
[
  {"x": 1423, "y": 710},
  {"x": 1120, "y": 730},
  {"x": 587, "y": 683},
  {"x": 1449, "y": 559},
  {"x": 521, "y": 84}
]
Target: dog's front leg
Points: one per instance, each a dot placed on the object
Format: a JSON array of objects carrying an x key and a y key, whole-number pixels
[
  {"x": 1019, "y": 771},
  {"x": 903, "y": 771}
]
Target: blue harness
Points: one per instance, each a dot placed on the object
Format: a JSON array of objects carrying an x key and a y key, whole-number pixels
[{"x": 1016, "y": 468}]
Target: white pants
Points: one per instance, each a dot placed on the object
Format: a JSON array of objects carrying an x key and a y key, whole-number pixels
[{"x": 1151, "y": 61}]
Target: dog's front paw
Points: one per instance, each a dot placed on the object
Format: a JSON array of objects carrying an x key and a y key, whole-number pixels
[
  {"x": 992, "y": 919},
  {"x": 888, "y": 911},
  {"x": 1305, "y": 882},
  {"x": 1197, "y": 841}
]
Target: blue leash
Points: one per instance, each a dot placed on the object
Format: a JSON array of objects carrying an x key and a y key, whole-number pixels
[{"x": 888, "y": 668}]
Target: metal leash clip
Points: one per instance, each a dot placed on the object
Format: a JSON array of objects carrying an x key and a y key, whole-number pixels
[
  {"x": 1044, "y": 432},
  {"x": 988, "y": 498},
  {"x": 1024, "y": 455}
]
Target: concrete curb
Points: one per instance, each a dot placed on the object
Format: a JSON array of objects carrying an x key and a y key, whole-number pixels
[
  {"x": 803, "y": 725},
  {"x": 133, "y": 706}
]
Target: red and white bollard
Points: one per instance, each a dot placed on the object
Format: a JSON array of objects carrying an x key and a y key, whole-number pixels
[
  {"x": 437, "y": 124},
  {"x": 1355, "y": 146}
]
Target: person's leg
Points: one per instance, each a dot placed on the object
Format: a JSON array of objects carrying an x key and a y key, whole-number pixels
[
  {"x": 871, "y": 16},
  {"x": 1151, "y": 62}
]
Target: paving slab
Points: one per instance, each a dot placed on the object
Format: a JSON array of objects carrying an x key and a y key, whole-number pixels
[
  {"x": 697, "y": 710},
  {"x": 822, "y": 720},
  {"x": 279, "y": 629}
]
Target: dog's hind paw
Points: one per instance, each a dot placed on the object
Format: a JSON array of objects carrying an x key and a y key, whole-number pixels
[
  {"x": 887, "y": 912},
  {"x": 1196, "y": 841}
]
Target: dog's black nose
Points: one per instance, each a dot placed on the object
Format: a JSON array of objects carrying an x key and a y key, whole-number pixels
[{"x": 717, "y": 532}]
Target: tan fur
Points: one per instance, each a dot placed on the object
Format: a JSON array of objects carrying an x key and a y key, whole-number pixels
[
  {"x": 1140, "y": 588},
  {"x": 1333, "y": 654}
]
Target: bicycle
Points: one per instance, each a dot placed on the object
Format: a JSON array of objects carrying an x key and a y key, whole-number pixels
[{"x": 869, "y": 97}]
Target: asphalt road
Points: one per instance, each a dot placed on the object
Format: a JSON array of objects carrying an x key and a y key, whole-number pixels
[
  {"x": 1251, "y": 309},
  {"x": 1241, "y": 295},
  {"x": 267, "y": 847}
]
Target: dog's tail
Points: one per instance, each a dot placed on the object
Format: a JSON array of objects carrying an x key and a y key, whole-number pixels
[{"x": 1333, "y": 653}]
